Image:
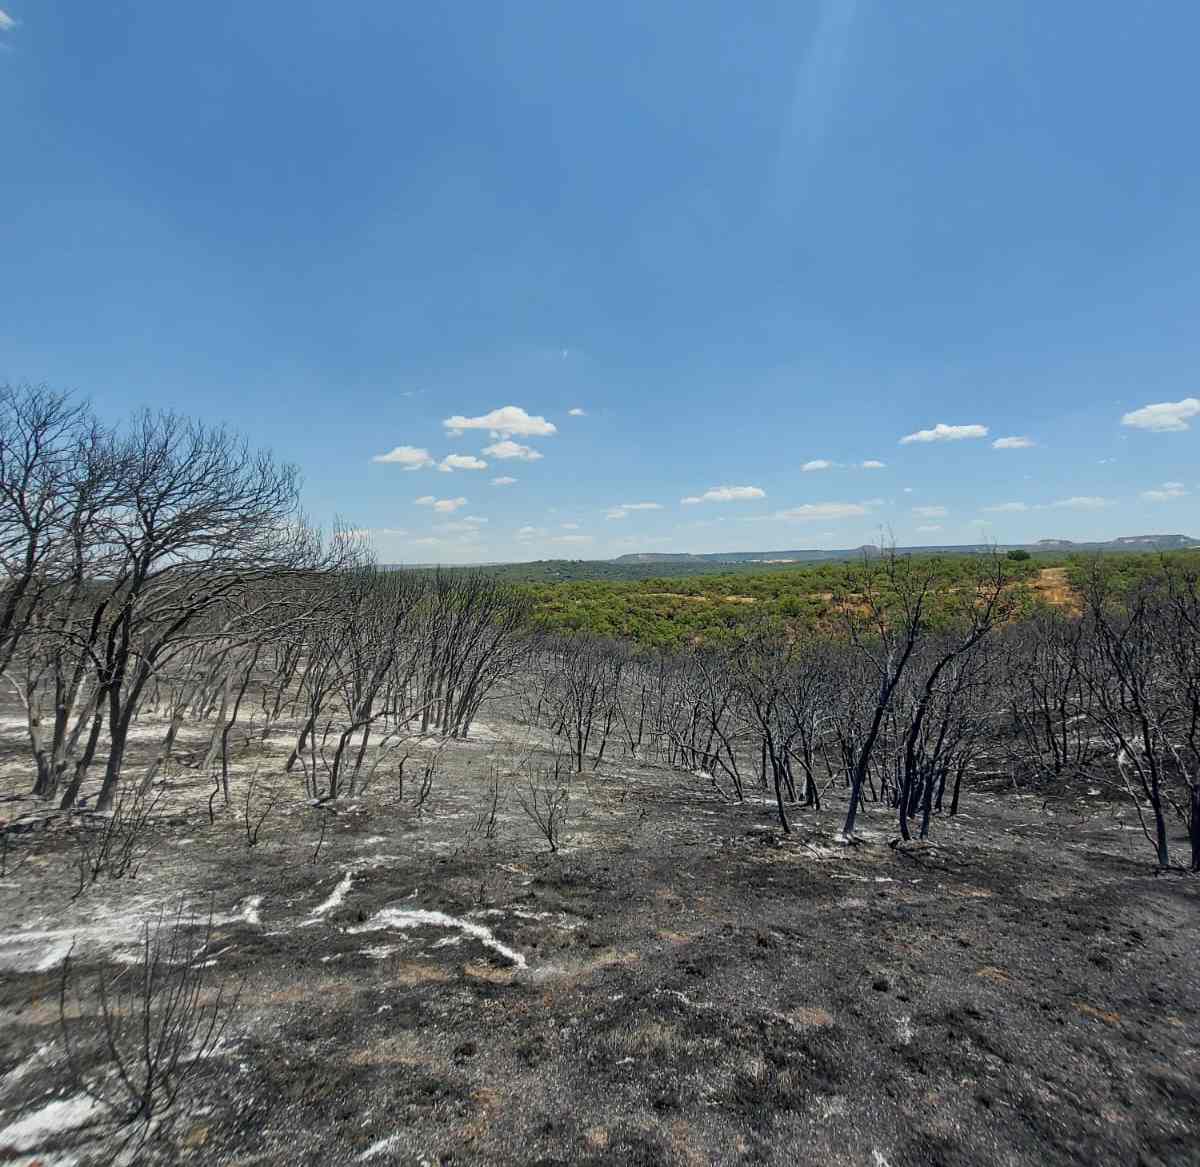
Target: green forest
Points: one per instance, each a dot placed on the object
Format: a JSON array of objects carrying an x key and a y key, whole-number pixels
[{"x": 676, "y": 610}]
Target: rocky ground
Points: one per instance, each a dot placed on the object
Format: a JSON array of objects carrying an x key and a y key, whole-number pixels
[{"x": 679, "y": 984}]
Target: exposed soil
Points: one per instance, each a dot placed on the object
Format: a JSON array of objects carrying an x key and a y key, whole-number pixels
[{"x": 679, "y": 985}]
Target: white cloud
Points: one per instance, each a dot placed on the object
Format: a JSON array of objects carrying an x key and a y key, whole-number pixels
[
  {"x": 504, "y": 423},
  {"x": 725, "y": 494},
  {"x": 1013, "y": 443},
  {"x": 822, "y": 511},
  {"x": 873, "y": 464},
  {"x": 452, "y": 462},
  {"x": 1081, "y": 503},
  {"x": 1006, "y": 508},
  {"x": 577, "y": 412},
  {"x": 933, "y": 512},
  {"x": 1165, "y": 493},
  {"x": 946, "y": 433},
  {"x": 929, "y": 528},
  {"x": 503, "y": 480},
  {"x": 410, "y": 457},
  {"x": 524, "y": 533},
  {"x": 1164, "y": 417},
  {"x": 6, "y": 21},
  {"x": 507, "y": 449},
  {"x": 443, "y": 506},
  {"x": 816, "y": 464},
  {"x": 571, "y": 539},
  {"x": 569, "y": 526},
  {"x": 622, "y": 511}
]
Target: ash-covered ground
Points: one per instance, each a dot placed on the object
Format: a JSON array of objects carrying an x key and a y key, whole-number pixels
[{"x": 678, "y": 984}]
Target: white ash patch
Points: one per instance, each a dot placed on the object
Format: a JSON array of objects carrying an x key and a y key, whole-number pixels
[
  {"x": 904, "y": 1029},
  {"x": 555, "y": 919},
  {"x": 59, "y": 1117},
  {"x": 248, "y": 910},
  {"x": 40, "y": 1059},
  {"x": 39, "y": 950},
  {"x": 108, "y": 933},
  {"x": 335, "y": 897},
  {"x": 401, "y": 919},
  {"x": 380, "y": 951},
  {"x": 380, "y": 1148}
]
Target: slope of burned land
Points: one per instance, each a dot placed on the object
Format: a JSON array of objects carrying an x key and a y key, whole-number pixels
[{"x": 677, "y": 985}]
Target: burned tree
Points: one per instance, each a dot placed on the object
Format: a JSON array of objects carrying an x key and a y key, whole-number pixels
[
  {"x": 884, "y": 613},
  {"x": 1143, "y": 675}
]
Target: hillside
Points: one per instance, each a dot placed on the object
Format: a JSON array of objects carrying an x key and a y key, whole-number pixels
[{"x": 1122, "y": 543}]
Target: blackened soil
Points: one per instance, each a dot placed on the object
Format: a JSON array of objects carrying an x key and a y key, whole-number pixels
[{"x": 697, "y": 989}]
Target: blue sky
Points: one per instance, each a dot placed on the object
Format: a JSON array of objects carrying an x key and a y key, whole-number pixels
[{"x": 740, "y": 238}]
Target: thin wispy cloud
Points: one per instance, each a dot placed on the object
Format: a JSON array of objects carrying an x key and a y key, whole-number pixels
[
  {"x": 6, "y": 22},
  {"x": 872, "y": 464},
  {"x": 945, "y": 433},
  {"x": 505, "y": 422},
  {"x": 621, "y": 511},
  {"x": 577, "y": 412},
  {"x": 1082, "y": 502},
  {"x": 818, "y": 80},
  {"x": 1168, "y": 492},
  {"x": 504, "y": 480},
  {"x": 930, "y": 512},
  {"x": 460, "y": 526},
  {"x": 1013, "y": 443},
  {"x": 812, "y": 512},
  {"x": 725, "y": 494},
  {"x": 1163, "y": 417},
  {"x": 1003, "y": 508},
  {"x": 443, "y": 506},
  {"x": 816, "y": 464}
]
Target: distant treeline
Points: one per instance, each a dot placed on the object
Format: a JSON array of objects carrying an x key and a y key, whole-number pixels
[{"x": 710, "y": 606}]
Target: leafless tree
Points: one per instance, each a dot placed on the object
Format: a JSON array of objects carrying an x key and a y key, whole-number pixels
[
  {"x": 582, "y": 693},
  {"x": 973, "y": 619},
  {"x": 115, "y": 844},
  {"x": 476, "y": 638},
  {"x": 545, "y": 799},
  {"x": 1143, "y": 676},
  {"x": 884, "y": 613}
]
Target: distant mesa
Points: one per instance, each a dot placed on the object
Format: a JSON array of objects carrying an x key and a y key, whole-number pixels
[{"x": 812, "y": 555}]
